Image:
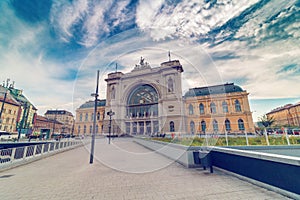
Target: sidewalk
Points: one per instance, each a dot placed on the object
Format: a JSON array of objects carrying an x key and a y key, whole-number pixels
[{"x": 69, "y": 175}]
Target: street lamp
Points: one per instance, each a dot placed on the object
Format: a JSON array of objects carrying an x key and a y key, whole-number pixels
[
  {"x": 94, "y": 124},
  {"x": 110, "y": 114}
]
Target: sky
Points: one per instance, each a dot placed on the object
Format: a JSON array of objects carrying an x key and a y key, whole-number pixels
[{"x": 52, "y": 49}]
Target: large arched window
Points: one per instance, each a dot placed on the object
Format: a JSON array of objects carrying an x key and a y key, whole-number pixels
[
  {"x": 201, "y": 108},
  {"x": 227, "y": 125},
  {"x": 84, "y": 129},
  {"x": 241, "y": 125},
  {"x": 86, "y": 117},
  {"x": 215, "y": 126},
  {"x": 80, "y": 117},
  {"x": 191, "y": 109},
  {"x": 213, "y": 108},
  {"x": 225, "y": 107},
  {"x": 192, "y": 127},
  {"x": 172, "y": 127},
  {"x": 203, "y": 126},
  {"x": 142, "y": 102},
  {"x": 91, "y": 128},
  {"x": 237, "y": 106}
]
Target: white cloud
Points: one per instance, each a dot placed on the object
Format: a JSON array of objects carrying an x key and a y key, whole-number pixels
[
  {"x": 188, "y": 18},
  {"x": 65, "y": 14}
]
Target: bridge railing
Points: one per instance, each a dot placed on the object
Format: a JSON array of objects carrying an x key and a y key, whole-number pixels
[{"x": 10, "y": 156}]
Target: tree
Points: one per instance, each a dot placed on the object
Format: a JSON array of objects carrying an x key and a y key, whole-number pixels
[{"x": 266, "y": 121}]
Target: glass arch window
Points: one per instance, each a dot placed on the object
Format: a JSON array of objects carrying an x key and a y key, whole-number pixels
[
  {"x": 225, "y": 107},
  {"x": 227, "y": 125},
  {"x": 192, "y": 127},
  {"x": 91, "y": 128},
  {"x": 215, "y": 126},
  {"x": 80, "y": 117},
  {"x": 241, "y": 125},
  {"x": 213, "y": 108},
  {"x": 201, "y": 108},
  {"x": 203, "y": 126},
  {"x": 191, "y": 109},
  {"x": 172, "y": 127},
  {"x": 143, "y": 102},
  {"x": 237, "y": 106},
  {"x": 86, "y": 117},
  {"x": 84, "y": 129}
]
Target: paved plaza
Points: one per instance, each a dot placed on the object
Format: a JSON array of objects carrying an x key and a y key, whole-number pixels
[{"x": 121, "y": 170}]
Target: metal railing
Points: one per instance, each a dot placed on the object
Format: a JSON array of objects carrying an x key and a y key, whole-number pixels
[{"x": 13, "y": 155}]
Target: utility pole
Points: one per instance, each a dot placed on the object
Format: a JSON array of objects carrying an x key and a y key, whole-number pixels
[
  {"x": 94, "y": 123},
  {"x": 2, "y": 107}
]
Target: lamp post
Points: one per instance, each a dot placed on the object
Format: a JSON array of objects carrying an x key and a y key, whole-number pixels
[
  {"x": 94, "y": 123},
  {"x": 23, "y": 121},
  {"x": 110, "y": 114}
]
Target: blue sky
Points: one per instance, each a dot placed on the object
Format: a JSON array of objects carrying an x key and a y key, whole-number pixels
[{"x": 52, "y": 49}]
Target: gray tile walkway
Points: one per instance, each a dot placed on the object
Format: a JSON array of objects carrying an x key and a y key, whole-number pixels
[{"x": 69, "y": 175}]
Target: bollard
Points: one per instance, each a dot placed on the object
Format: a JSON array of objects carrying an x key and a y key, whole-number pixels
[{"x": 205, "y": 159}]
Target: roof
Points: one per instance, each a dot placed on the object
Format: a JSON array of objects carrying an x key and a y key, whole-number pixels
[
  {"x": 91, "y": 103},
  {"x": 285, "y": 107},
  {"x": 216, "y": 89},
  {"x": 45, "y": 119},
  {"x": 58, "y": 112},
  {"x": 18, "y": 96},
  {"x": 9, "y": 98}
]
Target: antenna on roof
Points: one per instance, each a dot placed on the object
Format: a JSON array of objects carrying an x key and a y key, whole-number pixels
[
  {"x": 116, "y": 67},
  {"x": 169, "y": 55}
]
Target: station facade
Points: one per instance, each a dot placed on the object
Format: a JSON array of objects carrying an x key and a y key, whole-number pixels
[{"x": 149, "y": 101}]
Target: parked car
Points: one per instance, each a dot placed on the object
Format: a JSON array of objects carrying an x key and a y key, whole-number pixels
[{"x": 296, "y": 131}]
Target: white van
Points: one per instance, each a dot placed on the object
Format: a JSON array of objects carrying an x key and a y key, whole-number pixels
[{"x": 5, "y": 136}]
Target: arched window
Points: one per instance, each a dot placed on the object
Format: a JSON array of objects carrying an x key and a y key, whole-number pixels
[
  {"x": 98, "y": 116},
  {"x": 113, "y": 92},
  {"x": 203, "y": 126},
  {"x": 86, "y": 116},
  {"x": 213, "y": 108},
  {"x": 215, "y": 126},
  {"x": 80, "y": 117},
  {"x": 91, "y": 128},
  {"x": 237, "y": 106},
  {"x": 227, "y": 125},
  {"x": 191, "y": 109},
  {"x": 84, "y": 129},
  {"x": 241, "y": 125},
  {"x": 172, "y": 128},
  {"x": 201, "y": 108},
  {"x": 78, "y": 129},
  {"x": 225, "y": 107},
  {"x": 143, "y": 102},
  {"x": 92, "y": 116},
  {"x": 192, "y": 126},
  {"x": 170, "y": 85}
]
